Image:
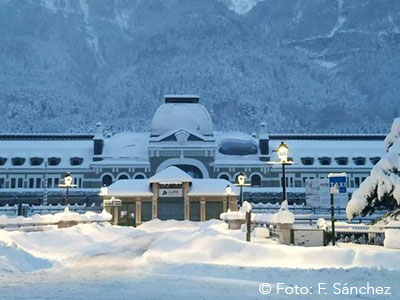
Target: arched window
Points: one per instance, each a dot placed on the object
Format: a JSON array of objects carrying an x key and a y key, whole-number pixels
[
  {"x": 224, "y": 176},
  {"x": 255, "y": 180},
  {"x": 139, "y": 176},
  {"x": 191, "y": 170},
  {"x": 123, "y": 176},
  {"x": 106, "y": 180}
]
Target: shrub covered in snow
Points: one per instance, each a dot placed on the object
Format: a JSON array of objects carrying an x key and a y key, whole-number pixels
[{"x": 382, "y": 188}]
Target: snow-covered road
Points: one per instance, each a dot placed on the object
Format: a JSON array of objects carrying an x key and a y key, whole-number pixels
[{"x": 180, "y": 260}]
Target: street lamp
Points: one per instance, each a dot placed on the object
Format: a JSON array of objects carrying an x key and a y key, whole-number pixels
[
  {"x": 67, "y": 184},
  {"x": 228, "y": 191},
  {"x": 283, "y": 154},
  {"x": 241, "y": 182}
]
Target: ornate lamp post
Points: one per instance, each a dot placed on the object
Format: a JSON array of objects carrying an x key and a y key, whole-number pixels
[
  {"x": 241, "y": 182},
  {"x": 67, "y": 184},
  {"x": 283, "y": 154},
  {"x": 228, "y": 192}
]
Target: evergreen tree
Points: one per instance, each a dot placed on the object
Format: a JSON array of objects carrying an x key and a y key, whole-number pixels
[{"x": 381, "y": 190}]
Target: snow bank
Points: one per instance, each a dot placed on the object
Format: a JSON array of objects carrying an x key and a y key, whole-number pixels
[
  {"x": 383, "y": 179},
  {"x": 173, "y": 242},
  {"x": 392, "y": 238},
  {"x": 13, "y": 259},
  {"x": 66, "y": 215}
]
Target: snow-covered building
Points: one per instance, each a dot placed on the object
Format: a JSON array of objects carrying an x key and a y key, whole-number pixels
[
  {"x": 181, "y": 135},
  {"x": 171, "y": 194}
]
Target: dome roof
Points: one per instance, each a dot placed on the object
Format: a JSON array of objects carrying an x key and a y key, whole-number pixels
[{"x": 175, "y": 116}]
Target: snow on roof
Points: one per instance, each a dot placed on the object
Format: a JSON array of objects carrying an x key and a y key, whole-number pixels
[
  {"x": 171, "y": 175},
  {"x": 127, "y": 145},
  {"x": 176, "y": 116},
  {"x": 130, "y": 187},
  {"x": 222, "y": 159},
  {"x": 64, "y": 149},
  {"x": 211, "y": 187}
]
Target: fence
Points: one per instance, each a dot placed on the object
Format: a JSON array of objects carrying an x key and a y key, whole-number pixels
[
  {"x": 27, "y": 210},
  {"x": 358, "y": 236}
]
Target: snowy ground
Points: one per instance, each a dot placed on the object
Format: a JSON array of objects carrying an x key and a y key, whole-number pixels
[{"x": 180, "y": 260}]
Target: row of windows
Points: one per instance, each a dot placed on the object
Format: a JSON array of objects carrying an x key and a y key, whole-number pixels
[
  {"x": 341, "y": 161},
  {"x": 107, "y": 180},
  {"x": 19, "y": 182},
  {"x": 255, "y": 180},
  {"x": 37, "y": 161}
]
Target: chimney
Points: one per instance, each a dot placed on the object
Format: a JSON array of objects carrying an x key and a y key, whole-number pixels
[
  {"x": 98, "y": 143},
  {"x": 263, "y": 142}
]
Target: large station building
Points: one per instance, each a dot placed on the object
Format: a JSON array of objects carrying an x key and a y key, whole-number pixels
[{"x": 181, "y": 135}]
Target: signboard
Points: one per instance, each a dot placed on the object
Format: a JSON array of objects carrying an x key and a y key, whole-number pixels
[
  {"x": 308, "y": 238},
  {"x": 337, "y": 183},
  {"x": 317, "y": 194},
  {"x": 170, "y": 193}
]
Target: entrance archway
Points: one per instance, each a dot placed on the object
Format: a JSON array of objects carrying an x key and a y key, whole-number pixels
[{"x": 189, "y": 165}]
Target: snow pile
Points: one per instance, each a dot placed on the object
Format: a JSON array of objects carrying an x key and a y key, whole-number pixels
[
  {"x": 246, "y": 207},
  {"x": 156, "y": 243},
  {"x": 283, "y": 216},
  {"x": 66, "y": 215},
  {"x": 236, "y": 215},
  {"x": 322, "y": 223},
  {"x": 14, "y": 259},
  {"x": 383, "y": 178},
  {"x": 392, "y": 238},
  {"x": 261, "y": 232},
  {"x": 241, "y": 215},
  {"x": 232, "y": 215}
]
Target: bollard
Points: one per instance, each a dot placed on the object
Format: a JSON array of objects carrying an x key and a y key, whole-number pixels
[{"x": 248, "y": 226}]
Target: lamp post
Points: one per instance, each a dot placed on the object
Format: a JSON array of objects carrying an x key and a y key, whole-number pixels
[
  {"x": 67, "y": 184},
  {"x": 283, "y": 155},
  {"x": 241, "y": 182},
  {"x": 228, "y": 192}
]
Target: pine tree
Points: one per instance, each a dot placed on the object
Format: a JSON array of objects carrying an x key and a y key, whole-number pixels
[{"x": 381, "y": 190}]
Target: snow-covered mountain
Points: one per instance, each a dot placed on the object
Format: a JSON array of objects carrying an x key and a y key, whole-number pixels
[{"x": 302, "y": 66}]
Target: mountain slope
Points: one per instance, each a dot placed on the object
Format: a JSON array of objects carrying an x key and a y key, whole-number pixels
[{"x": 319, "y": 66}]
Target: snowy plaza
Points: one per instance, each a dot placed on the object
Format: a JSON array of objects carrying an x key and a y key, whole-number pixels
[{"x": 180, "y": 260}]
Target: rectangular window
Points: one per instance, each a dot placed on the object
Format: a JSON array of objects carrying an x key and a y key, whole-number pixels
[
  {"x": 20, "y": 183},
  {"x": 2, "y": 183},
  {"x": 38, "y": 183},
  {"x": 13, "y": 184},
  {"x": 357, "y": 182},
  {"x": 49, "y": 183},
  {"x": 56, "y": 182},
  {"x": 31, "y": 183}
]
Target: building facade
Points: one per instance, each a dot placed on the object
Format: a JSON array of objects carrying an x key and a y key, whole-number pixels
[{"x": 181, "y": 135}]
